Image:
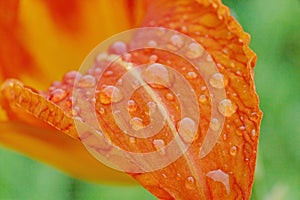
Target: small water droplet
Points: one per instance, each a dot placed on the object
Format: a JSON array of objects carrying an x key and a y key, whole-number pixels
[
  {"x": 233, "y": 150},
  {"x": 132, "y": 139},
  {"x": 215, "y": 124},
  {"x": 75, "y": 111},
  {"x": 170, "y": 96},
  {"x": 176, "y": 41},
  {"x": 187, "y": 129},
  {"x": 118, "y": 48},
  {"x": 202, "y": 98},
  {"x": 71, "y": 76},
  {"x": 101, "y": 111},
  {"x": 152, "y": 107},
  {"x": 242, "y": 128},
  {"x": 190, "y": 183},
  {"x": 220, "y": 176},
  {"x": 108, "y": 73},
  {"x": 153, "y": 58},
  {"x": 203, "y": 88},
  {"x": 217, "y": 80},
  {"x": 132, "y": 107},
  {"x": 87, "y": 81},
  {"x": 152, "y": 43},
  {"x": 58, "y": 95},
  {"x": 227, "y": 108},
  {"x": 157, "y": 76},
  {"x": 194, "y": 51},
  {"x": 191, "y": 75},
  {"x": 110, "y": 94},
  {"x": 253, "y": 132},
  {"x": 136, "y": 123},
  {"x": 158, "y": 145}
]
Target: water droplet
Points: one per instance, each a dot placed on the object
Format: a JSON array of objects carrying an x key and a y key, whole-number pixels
[
  {"x": 242, "y": 128},
  {"x": 132, "y": 107},
  {"x": 75, "y": 111},
  {"x": 227, "y": 108},
  {"x": 215, "y": 124},
  {"x": 108, "y": 73},
  {"x": 110, "y": 94},
  {"x": 157, "y": 76},
  {"x": 118, "y": 48},
  {"x": 58, "y": 95},
  {"x": 194, "y": 51},
  {"x": 170, "y": 96},
  {"x": 152, "y": 43},
  {"x": 217, "y": 80},
  {"x": 136, "y": 123},
  {"x": 158, "y": 145},
  {"x": 153, "y": 58},
  {"x": 253, "y": 132},
  {"x": 220, "y": 176},
  {"x": 203, "y": 88},
  {"x": 190, "y": 183},
  {"x": 233, "y": 150},
  {"x": 101, "y": 111},
  {"x": 71, "y": 76},
  {"x": 152, "y": 107},
  {"x": 209, "y": 58},
  {"x": 192, "y": 75},
  {"x": 176, "y": 41},
  {"x": 202, "y": 98},
  {"x": 187, "y": 129},
  {"x": 87, "y": 81},
  {"x": 132, "y": 139}
]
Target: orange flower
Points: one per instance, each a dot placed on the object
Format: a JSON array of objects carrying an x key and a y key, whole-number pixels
[{"x": 45, "y": 39}]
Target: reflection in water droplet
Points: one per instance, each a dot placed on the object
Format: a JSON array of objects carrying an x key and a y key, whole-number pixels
[
  {"x": 108, "y": 73},
  {"x": 187, "y": 129},
  {"x": 227, "y": 108},
  {"x": 190, "y": 183},
  {"x": 194, "y": 51},
  {"x": 157, "y": 76},
  {"x": 217, "y": 80},
  {"x": 118, "y": 48},
  {"x": 110, "y": 94},
  {"x": 136, "y": 123},
  {"x": 170, "y": 96},
  {"x": 58, "y": 95},
  {"x": 215, "y": 124},
  {"x": 220, "y": 176},
  {"x": 87, "y": 81},
  {"x": 191, "y": 75},
  {"x": 158, "y": 145},
  {"x": 233, "y": 150},
  {"x": 253, "y": 132},
  {"x": 132, "y": 107},
  {"x": 101, "y": 111},
  {"x": 153, "y": 58},
  {"x": 202, "y": 98},
  {"x": 152, "y": 43}
]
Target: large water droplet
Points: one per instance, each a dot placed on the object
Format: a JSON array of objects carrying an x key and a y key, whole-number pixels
[
  {"x": 71, "y": 76},
  {"x": 158, "y": 145},
  {"x": 194, "y": 51},
  {"x": 227, "y": 108},
  {"x": 58, "y": 95},
  {"x": 217, "y": 80},
  {"x": 87, "y": 81},
  {"x": 136, "y": 123},
  {"x": 215, "y": 124},
  {"x": 187, "y": 129},
  {"x": 220, "y": 176},
  {"x": 110, "y": 94},
  {"x": 157, "y": 76},
  {"x": 176, "y": 42},
  {"x": 190, "y": 183},
  {"x": 118, "y": 48}
]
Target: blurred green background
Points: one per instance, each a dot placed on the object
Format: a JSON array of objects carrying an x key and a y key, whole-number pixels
[{"x": 275, "y": 30}]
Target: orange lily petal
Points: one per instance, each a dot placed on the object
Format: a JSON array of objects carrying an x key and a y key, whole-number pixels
[
  {"x": 227, "y": 171},
  {"x": 40, "y": 141}
]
